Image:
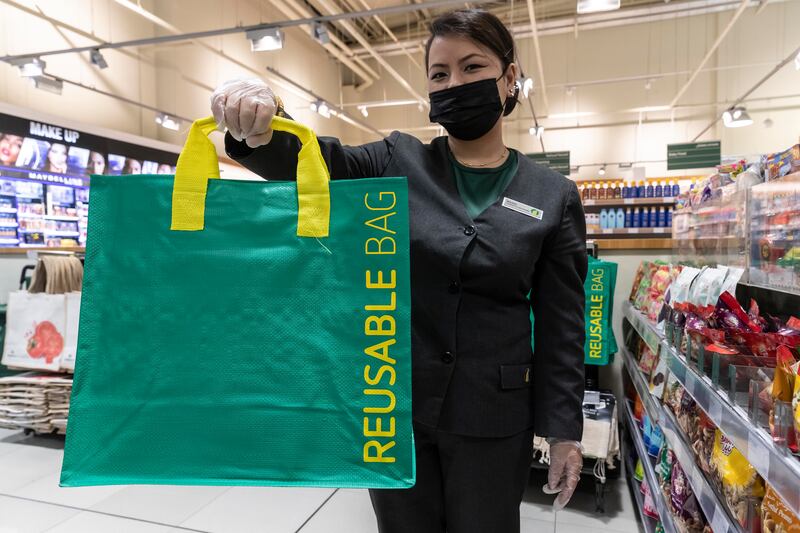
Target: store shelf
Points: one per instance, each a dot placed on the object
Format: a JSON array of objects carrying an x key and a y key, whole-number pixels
[
  {"x": 23, "y": 249},
  {"x": 650, "y": 478},
  {"x": 651, "y": 406},
  {"x": 56, "y": 233},
  {"x": 648, "y": 523},
  {"x": 714, "y": 509},
  {"x": 646, "y": 329},
  {"x": 7, "y": 210},
  {"x": 658, "y": 243},
  {"x": 14, "y": 226},
  {"x": 633, "y": 231},
  {"x": 60, "y": 217},
  {"x": 780, "y": 469},
  {"x": 630, "y": 201}
]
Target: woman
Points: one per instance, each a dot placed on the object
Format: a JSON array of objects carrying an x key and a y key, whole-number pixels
[
  {"x": 97, "y": 164},
  {"x": 56, "y": 159},
  {"x": 132, "y": 166},
  {"x": 9, "y": 149},
  {"x": 488, "y": 227}
]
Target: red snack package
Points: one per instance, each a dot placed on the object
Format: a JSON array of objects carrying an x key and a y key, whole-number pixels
[{"x": 730, "y": 302}]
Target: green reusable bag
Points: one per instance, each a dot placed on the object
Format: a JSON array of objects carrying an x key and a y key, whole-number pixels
[
  {"x": 599, "y": 287},
  {"x": 244, "y": 332}
]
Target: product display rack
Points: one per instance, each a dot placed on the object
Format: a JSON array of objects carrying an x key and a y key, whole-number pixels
[
  {"x": 622, "y": 202},
  {"x": 777, "y": 466},
  {"x": 633, "y": 231},
  {"x": 648, "y": 523},
  {"x": 708, "y": 498},
  {"x": 664, "y": 513}
]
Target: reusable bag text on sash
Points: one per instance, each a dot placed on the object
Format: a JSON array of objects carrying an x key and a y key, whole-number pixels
[
  {"x": 599, "y": 287},
  {"x": 244, "y": 332}
]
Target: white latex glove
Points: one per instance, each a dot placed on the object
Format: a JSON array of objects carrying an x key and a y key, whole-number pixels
[
  {"x": 245, "y": 108},
  {"x": 566, "y": 462}
]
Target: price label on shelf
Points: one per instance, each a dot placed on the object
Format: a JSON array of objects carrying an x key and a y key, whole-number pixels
[
  {"x": 697, "y": 482},
  {"x": 715, "y": 409},
  {"x": 690, "y": 384},
  {"x": 758, "y": 453},
  {"x": 634, "y": 230},
  {"x": 719, "y": 523},
  {"x": 628, "y": 201}
]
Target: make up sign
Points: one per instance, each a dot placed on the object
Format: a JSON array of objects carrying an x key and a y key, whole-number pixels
[
  {"x": 558, "y": 161},
  {"x": 688, "y": 156}
]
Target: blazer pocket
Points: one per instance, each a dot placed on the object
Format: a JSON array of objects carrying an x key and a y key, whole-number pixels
[{"x": 515, "y": 376}]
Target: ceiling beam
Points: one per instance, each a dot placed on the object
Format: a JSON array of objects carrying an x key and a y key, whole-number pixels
[{"x": 538, "y": 51}]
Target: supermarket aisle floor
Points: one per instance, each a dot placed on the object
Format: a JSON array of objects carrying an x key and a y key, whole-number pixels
[{"x": 32, "y": 502}]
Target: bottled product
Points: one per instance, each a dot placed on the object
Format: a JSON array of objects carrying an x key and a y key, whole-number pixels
[
  {"x": 591, "y": 193},
  {"x": 676, "y": 189},
  {"x": 637, "y": 218},
  {"x": 629, "y": 218},
  {"x": 659, "y": 189},
  {"x": 604, "y": 219},
  {"x": 582, "y": 191},
  {"x": 669, "y": 218},
  {"x": 626, "y": 189},
  {"x": 640, "y": 190},
  {"x": 662, "y": 218},
  {"x": 620, "y": 218},
  {"x": 617, "y": 191},
  {"x": 596, "y": 193},
  {"x": 649, "y": 190},
  {"x": 604, "y": 192}
]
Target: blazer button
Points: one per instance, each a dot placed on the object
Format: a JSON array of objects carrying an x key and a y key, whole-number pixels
[
  {"x": 447, "y": 357},
  {"x": 469, "y": 230},
  {"x": 454, "y": 288}
]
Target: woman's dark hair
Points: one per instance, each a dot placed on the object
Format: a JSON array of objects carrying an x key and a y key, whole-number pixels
[{"x": 479, "y": 26}]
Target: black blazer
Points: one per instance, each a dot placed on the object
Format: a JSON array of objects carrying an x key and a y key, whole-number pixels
[{"x": 473, "y": 370}]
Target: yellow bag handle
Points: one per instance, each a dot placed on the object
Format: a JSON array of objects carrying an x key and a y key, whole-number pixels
[{"x": 198, "y": 163}]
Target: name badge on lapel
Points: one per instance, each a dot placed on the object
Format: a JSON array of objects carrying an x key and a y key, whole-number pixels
[{"x": 519, "y": 207}]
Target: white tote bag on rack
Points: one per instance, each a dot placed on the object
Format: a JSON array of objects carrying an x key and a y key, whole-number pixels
[
  {"x": 73, "y": 309},
  {"x": 35, "y": 330}
]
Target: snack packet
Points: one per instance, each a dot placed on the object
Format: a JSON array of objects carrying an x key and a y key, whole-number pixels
[
  {"x": 776, "y": 517},
  {"x": 648, "y": 359},
  {"x": 649, "y": 506},
  {"x": 740, "y": 481},
  {"x": 683, "y": 502}
]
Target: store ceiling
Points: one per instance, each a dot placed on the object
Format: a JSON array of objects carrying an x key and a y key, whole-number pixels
[{"x": 414, "y": 26}]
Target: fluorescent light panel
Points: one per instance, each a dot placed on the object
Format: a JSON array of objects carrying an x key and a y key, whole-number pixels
[
  {"x": 597, "y": 6},
  {"x": 47, "y": 84}
]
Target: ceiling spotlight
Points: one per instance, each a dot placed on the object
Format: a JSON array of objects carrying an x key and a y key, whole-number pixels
[
  {"x": 596, "y": 6},
  {"x": 320, "y": 33},
  {"x": 736, "y": 117},
  {"x": 602, "y": 170},
  {"x": 363, "y": 110},
  {"x": 526, "y": 85},
  {"x": 97, "y": 59},
  {"x": 322, "y": 108},
  {"x": 625, "y": 165},
  {"x": 30, "y": 67},
  {"x": 265, "y": 40},
  {"x": 420, "y": 107},
  {"x": 168, "y": 122},
  {"x": 570, "y": 90},
  {"x": 768, "y": 122},
  {"x": 648, "y": 85},
  {"x": 537, "y": 130},
  {"x": 46, "y": 83}
]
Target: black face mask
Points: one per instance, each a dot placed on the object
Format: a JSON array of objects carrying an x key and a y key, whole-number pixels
[{"x": 469, "y": 111}]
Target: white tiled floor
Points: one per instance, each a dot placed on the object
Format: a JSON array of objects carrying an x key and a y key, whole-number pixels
[{"x": 32, "y": 502}]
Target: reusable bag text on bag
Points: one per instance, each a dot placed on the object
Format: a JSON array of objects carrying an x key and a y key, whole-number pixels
[{"x": 244, "y": 333}]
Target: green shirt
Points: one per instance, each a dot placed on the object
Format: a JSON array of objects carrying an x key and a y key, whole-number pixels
[{"x": 481, "y": 187}]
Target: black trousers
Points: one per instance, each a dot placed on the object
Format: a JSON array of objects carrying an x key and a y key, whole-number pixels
[{"x": 464, "y": 485}]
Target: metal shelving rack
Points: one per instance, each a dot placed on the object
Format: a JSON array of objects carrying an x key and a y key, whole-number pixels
[
  {"x": 777, "y": 466},
  {"x": 710, "y": 501}
]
